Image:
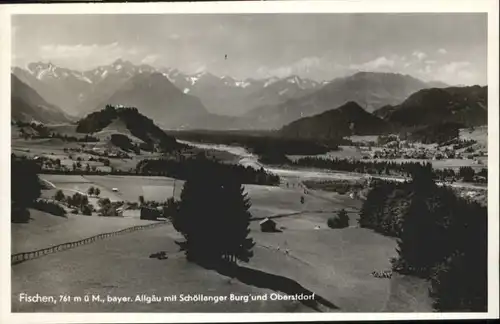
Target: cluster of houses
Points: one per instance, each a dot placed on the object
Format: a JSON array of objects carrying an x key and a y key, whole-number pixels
[
  {"x": 424, "y": 153},
  {"x": 99, "y": 151}
]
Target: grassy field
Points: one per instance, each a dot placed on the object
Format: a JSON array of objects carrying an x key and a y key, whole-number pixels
[
  {"x": 479, "y": 134},
  {"x": 129, "y": 187},
  {"x": 46, "y": 230},
  {"x": 267, "y": 200},
  {"x": 334, "y": 264}
]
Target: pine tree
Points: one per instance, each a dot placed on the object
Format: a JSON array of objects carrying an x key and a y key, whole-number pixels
[
  {"x": 343, "y": 218},
  {"x": 25, "y": 188},
  {"x": 410, "y": 248},
  {"x": 459, "y": 282},
  {"x": 213, "y": 217},
  {"x": 59, "y": 196}
]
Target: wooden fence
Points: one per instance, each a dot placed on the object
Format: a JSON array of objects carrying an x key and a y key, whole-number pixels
[{"x": 25, "y": 256}]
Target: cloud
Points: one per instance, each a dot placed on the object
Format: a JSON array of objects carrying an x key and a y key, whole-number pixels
[
  {"x": 78, "y": 51},
  {"x": 92, "y": 55},
  {"x": 454, "y": 67},
  {"x": 419, "y": 55},
  {"x": 150, "y": 59},
  {"x": 196, "y": 67},
  {"x": 174, "y": 36},
  {"x": 426, "y": 70},
  {"x": 456, "y": 72},
  {"x": 303, "y": 66},
  {"x": 430, "y": 62},
  {"x": 377, "y": 64},
  {"x": 442, "y": 51}
]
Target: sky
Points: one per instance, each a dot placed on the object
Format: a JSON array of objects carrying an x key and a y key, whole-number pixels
[{"x": 449, "y": 47}]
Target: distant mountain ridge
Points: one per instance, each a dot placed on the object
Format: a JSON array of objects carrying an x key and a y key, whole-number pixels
[
  {"x": 160, "y": 100},
  {"x": 464, "y": 105},
  {"x": 27, "y": 105},
  {"x": 79, "y": 93},
  {"x": 370, "y": 90},
  {"x": 422, "y": 113},
  {"x": 346, "y": 120}
]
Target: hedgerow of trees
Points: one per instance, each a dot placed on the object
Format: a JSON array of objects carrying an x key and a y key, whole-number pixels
[
  {"x": 183, "y": 167},
  {"x": 466, "y": 174},
  {"x": 441, "y": 237},
  {"x": 262, "y": 143},
  {"x": 44, "y": 132}
]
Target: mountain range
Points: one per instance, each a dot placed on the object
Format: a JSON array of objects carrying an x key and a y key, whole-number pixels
[
  {"x": 427, "y": 110},
  {"x": 27, "y": 105},
  {"x": 176, "y": 100},
  {"x": 79, "y": 93},
  {"x": 369, "y": 89}
]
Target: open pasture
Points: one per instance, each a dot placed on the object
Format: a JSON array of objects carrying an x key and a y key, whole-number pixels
[
  {"x": 45, "y": 230},
  {"x": 479, "y": 134},
  {"x": 129, "y": 187},
  {"x": 336, "y": 265}
]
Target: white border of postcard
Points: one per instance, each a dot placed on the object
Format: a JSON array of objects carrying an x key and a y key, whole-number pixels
[{"x": 487, "y": 6}]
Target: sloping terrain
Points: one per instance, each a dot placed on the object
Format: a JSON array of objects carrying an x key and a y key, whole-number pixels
[
  {"x": 27, "y": 105},
  {"x": 349, "y": 119},
  {"x": 156, "y": 97},
  {"x": 465, "y": 105},
  {"x": 128, "y": 120}
]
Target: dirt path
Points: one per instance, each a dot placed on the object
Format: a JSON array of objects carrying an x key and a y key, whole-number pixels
[{"x": 64, "y": 189}]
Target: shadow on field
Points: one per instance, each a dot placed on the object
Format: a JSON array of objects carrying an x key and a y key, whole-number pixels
[{"x": 261, "y": 279}]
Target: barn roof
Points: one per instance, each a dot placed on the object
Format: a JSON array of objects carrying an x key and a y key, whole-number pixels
[{"x": 266, "y": 220}]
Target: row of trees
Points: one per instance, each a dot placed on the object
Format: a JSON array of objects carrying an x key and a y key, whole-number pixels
[
  {"x": 262, "y": 142},
  {"x": 94, "y": 191},
  {"x": 441, "y": 237},
  {"x": 44, "y": 132},
  {"x": 372, "y": 167},
  {"x": 467, "y": 174},
  {"x": 181, "y": 169},
  {"x": 79, "y": 202}
]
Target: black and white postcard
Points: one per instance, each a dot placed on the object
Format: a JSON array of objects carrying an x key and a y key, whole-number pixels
[{"x": 314, "y": 160}]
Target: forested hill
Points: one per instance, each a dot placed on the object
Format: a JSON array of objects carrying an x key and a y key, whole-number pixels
[
  {"x": 464, "y": 105},
  {"x": 349, "y": 119},
  {"x": 139, "y": 125}
]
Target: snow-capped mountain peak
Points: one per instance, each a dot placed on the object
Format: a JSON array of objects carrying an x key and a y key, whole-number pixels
[
  {"x": 270, "y": 81},
  {"x": 242, "y": 84}
]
